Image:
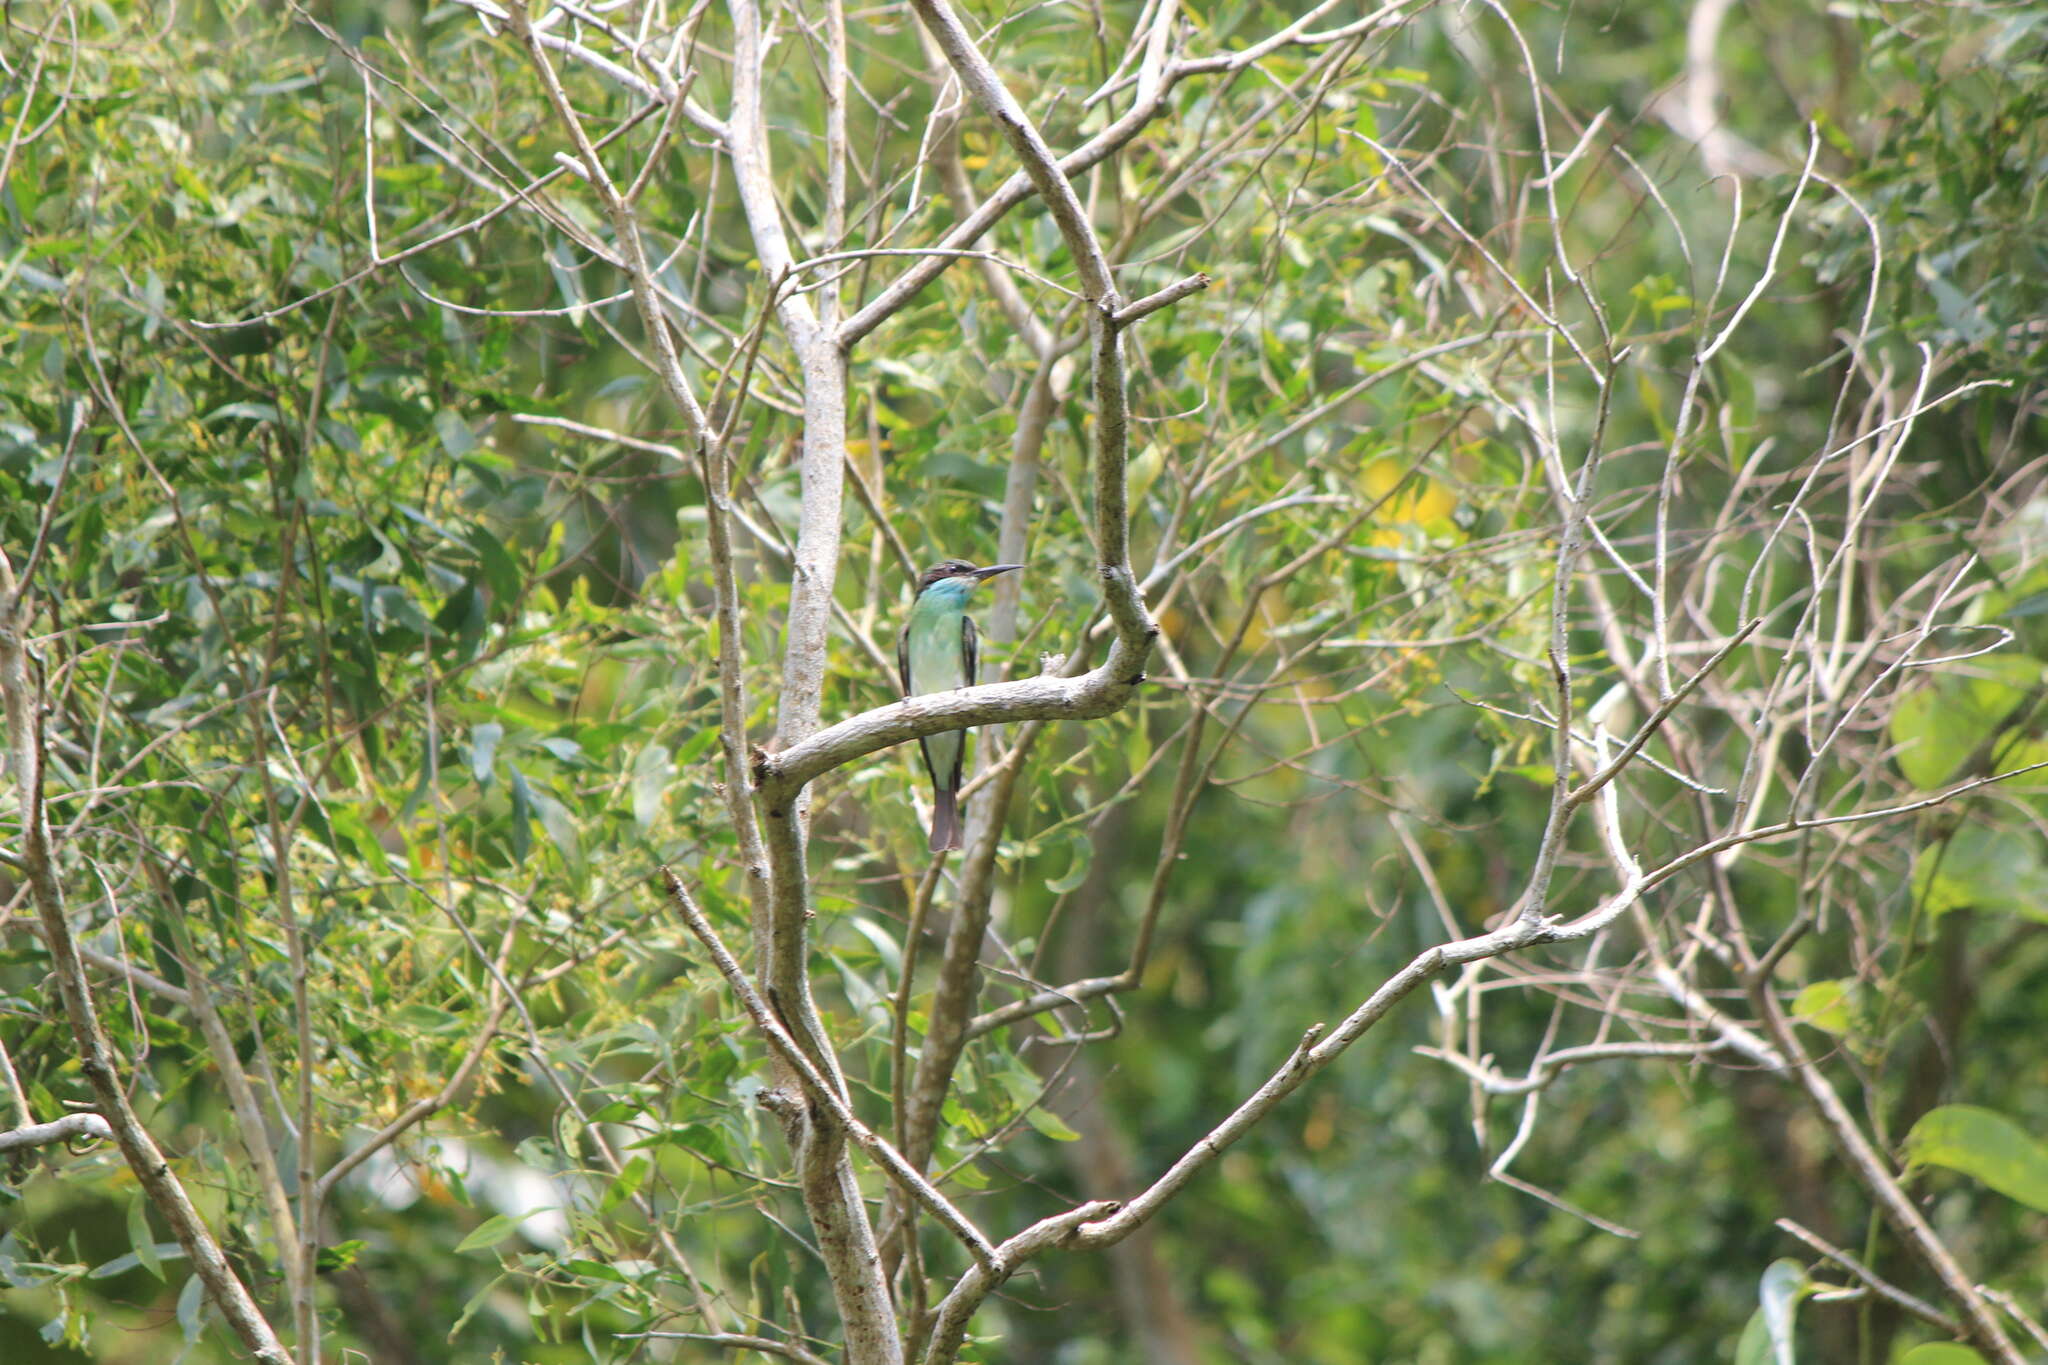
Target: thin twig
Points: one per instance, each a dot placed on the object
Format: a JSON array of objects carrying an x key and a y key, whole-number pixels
[{"x": 1912, "y": 1303}]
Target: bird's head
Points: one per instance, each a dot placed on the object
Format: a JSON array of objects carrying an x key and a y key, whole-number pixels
[{"x": 959, "y": 572}]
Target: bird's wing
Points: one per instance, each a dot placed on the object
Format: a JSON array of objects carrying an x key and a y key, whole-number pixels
[
  {"x": 903, "y": 657},
  {"x": 970, "y": 657}
]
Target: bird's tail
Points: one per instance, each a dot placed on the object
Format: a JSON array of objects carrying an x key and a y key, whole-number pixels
[{"x": 945, "y": 820}]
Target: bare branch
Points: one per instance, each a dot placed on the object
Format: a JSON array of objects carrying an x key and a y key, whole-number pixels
[
  {"x": 1547, "y": 1067},
  {"x": 1152, "y": 303},
  {"x": 779, "y": 776},
  {"x": 956, "y": 1310},
  {"x": 66, "y": 1129}
]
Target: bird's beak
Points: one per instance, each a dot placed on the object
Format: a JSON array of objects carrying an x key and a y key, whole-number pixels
[{"x": 983, "y": 575}]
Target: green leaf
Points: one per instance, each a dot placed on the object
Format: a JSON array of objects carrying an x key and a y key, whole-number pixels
[
  {"x": 501, "y": 571},
  {"x": 594, "y": 1270},
  {"x": 140, "y": 1239},
  {"x": 425, "y": 1018},
  {"x": 1754, "y": 1347},
  {"x": 456, "y": 437},
  {"x": 652, "y": 772},
  {"x": 1081, "y": 850},
  {"x": 1050, "y": 1124},
  {"x": 1984, "y": 867},
  {"x": 340, "y": 1256},
  {"x": 121, "y": 1265},
  {"x": 192, "y": 1308},
  {"x": 1767, "y": 1339},
  {"x": 1778, "y": 1293},
  {"x": 1938, "y": 725},
  {"x": 1941, "y": 1353},
  {"x": 1824, "y": 1005},
  {"x": 560, "y": 827},
  {"x": 476, "y": 1303},
  {"x": 1986, "y": 1146},
  {"x": 631, "y": 1177},
  {"x": 1026, "y": 1089},
  {"x": 563, "y": 748},
  {"x": 490, "y": 1232},
  {"x": 247, "y": 412},
  {"x": 719, "y": 1063},
  {"x": 694, "y": 1138},
  {"x": 522, "y": 817}
]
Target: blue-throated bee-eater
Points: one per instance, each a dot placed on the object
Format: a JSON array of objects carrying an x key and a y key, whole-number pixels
[{"x": 938, "y": 652}]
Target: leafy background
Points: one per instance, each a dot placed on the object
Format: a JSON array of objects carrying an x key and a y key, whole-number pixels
[{"x": 323, "y": 620}]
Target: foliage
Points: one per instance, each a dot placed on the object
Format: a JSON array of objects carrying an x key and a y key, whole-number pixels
[{"x": 377, "y": 631}]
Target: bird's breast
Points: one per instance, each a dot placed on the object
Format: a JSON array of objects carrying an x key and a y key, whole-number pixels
[{"x": 935, "y": 663}]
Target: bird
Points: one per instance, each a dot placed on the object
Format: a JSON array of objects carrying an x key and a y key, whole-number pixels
[{"x": 937, "y": 652}]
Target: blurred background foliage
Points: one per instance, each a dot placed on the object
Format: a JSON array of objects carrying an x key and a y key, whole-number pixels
[{"x": 331, "y": 638}]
